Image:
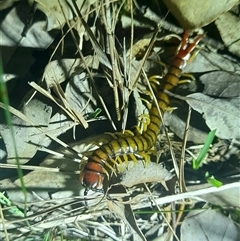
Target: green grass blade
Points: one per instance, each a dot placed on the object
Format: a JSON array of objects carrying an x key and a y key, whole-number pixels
[
  {"x": 13, "y": 209},
  {"x": 198, "y": 161},
  {"x": 5, "y": 100},
  {"x": 211, "y": 180}
]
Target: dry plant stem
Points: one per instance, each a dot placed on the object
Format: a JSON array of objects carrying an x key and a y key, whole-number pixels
[
  {"x": 77, "y": 116},
  {"x": 175, "y": 95},
  {"x": 182, "y": 184},
  {"x": 63, "y": 220},
  {"x": 140, "y": 68},
  {"x": 3, "y": 224},
  {"x": 128, "y": 62},
  {"x": 149, "y": 14},
  {"x": 116, "y": 77},
  {"x": 131, "y": 43},
  {"x": 173, "y": 215},
  {"x": 180, "y": 213},
  {"x": 67, "y": 201},
  {"x": 100, "y": 54},
  {"x": 35, "y": 168},
  {"x": 106, "y": 229},
  {"x": 187, "y": 195},
  {"x": 98, "y": 49},
  {"x": 161, "y": 211},
  {"x": 47, "y": 211}
]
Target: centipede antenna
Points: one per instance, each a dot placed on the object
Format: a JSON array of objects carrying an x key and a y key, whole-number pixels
[
  {"x": 86, "y": 191},
  {"x": 85, "y": 194}
]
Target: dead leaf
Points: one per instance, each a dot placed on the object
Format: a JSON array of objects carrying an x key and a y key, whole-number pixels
[
  {"x": 209, "y": 225},
  {"x": 194, "y": 14},
  {"x": 54, "y": 11},
  {"x": 26, "y": 137},
  {"x": 227, "y": 84},
  {"x": 6, "y": 4},
  {"x": 207, "y": 61},
  {"x": 80, "y": 95},
  {"x": 13, "y": 24},
  {"x": 229, "y": 27},
  {"x": 63, "y": 69},
  {"x": 220, "y": 114},
  {"x": 177, "y": 126},
  {"x": 125, "y": 213},
  {"x": 222, "y": 198}
]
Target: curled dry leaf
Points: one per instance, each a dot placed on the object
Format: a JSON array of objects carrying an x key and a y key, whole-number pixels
[
  {"x": 220, "y": 114},
  {"x": 138, "y": 172}
]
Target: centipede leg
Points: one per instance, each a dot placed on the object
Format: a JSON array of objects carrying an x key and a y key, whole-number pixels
[
  {"x": 189, "y": 78},
  {"x": 186, "y": 48}
]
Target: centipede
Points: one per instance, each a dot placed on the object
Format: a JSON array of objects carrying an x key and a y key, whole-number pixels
[{"x": 104, "y": 159}]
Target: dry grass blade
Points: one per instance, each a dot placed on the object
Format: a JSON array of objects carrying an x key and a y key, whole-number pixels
[
  {"x": 74, "y": 115},
  {"x": 111, "y": 71},
  {"x": 150, "y": 46},
  {"x": 4, "y": 224},
  {"x": 103, "y": 58},
  {"x": 98, "y": 49},
  {"x": 160, "y": 210},
  {"x": 110, "y": 15},
  {"x": 32, "y": 168}
]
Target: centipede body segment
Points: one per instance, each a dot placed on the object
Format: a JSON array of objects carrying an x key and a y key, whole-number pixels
[{"x": 102, "y": 160}]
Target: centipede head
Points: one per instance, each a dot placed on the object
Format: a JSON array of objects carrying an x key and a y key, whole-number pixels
[{"x": 92, "y": 176}]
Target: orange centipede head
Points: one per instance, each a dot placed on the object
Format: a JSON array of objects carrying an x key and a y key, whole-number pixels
[{"x": 92, "y": 176}]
